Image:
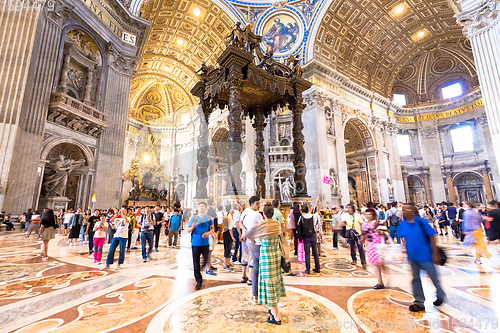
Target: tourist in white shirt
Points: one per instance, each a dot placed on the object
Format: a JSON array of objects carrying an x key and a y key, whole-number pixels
[
  {"x": 236, "y": 233},
  {"x": 120, "y": 237},
  {"x": 251, "y": 251},
  {"x": 220, "y": 215},
  {"x": 228, "y": 236}
]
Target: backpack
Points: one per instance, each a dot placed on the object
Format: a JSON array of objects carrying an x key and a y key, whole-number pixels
[
  {"x": 393, "y": 219},
  {"x": 308, "y": 227},
  {"x": 225, "y": 222}
]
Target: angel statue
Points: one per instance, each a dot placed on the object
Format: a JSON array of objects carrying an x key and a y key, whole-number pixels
[
  {"x": 236, "y": 37},
  {"x": 55, "y": 183},
  {"x": 294, "y": 64},
  {"x": 286, "y": 190}
]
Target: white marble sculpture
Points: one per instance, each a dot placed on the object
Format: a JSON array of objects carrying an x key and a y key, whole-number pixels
[{"x": 55, "y": 184}]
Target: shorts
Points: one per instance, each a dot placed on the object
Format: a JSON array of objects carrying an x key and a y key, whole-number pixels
[
  {"x": 211, "y": 239},
  {"x": 444, "y": 224}
]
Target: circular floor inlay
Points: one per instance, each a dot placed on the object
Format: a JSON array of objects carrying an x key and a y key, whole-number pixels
[{"x": 229, "y": 309}]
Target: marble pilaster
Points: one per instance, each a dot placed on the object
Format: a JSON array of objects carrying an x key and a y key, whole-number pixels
[
  {"x": 481, "y": 24},
  {"x": 340, "y": 152},
  {"x": 108, "y": 182},
  {"x": 33, "y": 38}
]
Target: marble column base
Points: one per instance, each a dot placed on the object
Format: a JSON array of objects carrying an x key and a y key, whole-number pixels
[
  {"x": 230, "y": 199},
  {"x": 54, "y": 203}
]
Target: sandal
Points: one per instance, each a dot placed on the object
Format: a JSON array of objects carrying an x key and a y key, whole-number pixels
[
  {"x": 249, "y": 282},
  {"x": 379, "y": 286},
  {"x": 271, "y": 320},
  {"x": 244, "y": 279}
]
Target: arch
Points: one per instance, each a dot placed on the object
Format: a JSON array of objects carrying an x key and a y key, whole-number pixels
[
  {"x": 278, "y": 170},
  {"x": 470, "y": 187},
  {"x": 460, "y": 176},
  {"x": 417, "y": 181},
  {"x": 51, "y": 143},
  {"x": 358, "y": 133}
]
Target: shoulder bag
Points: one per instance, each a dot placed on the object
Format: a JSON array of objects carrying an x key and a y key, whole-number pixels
[{"x": 441, "y": 253}]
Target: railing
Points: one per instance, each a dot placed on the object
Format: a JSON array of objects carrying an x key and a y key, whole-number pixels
[
  {"x": 280, "y": 153},
  {"x": 77, "y": 105},
  {"x": 281, "y": 150}
]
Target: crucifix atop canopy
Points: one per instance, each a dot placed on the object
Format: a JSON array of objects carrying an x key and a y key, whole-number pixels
[{"x": 253, "y": 84}]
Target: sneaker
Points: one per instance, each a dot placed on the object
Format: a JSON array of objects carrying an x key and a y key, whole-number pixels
[
  {"x": 134, "y": 248},
  {"x": 99, "y": 263},
  {"x": 378, "y": 286},
  {"x": 335, "y": 249},
  {"x": 198, "y": 286},
  {"x": 364, "y": 267},
  {"x": 316, "y": 271},
  {"x": 236, "y": 262},
  {"x": 477, "y": 261},
  {"x": 95, "y": 261},
  {"x": 118, "y": 267},
  {"x": 438, "y": 302},
  {"x": 416, "y": 308},
  {"x": 226, "y": 269},
  {"x": 156, "y": 249},
  {"x": 144, "y": 260},
  {"x": 213, "y": 268},
  {"x": 106, "y": 268},
  {"x": 210, "y": 272},
  {"x": 446, "y": 234},
  {"x": 291, "y": 274},
  {"x": 308, "y": 272},
  {"x": 44, "y": 259},
  {"x": 128, "y": 251}
]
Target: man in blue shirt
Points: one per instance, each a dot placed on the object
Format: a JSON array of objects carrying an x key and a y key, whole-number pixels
[
  {"x": 422, "y": 254},
  {"x": 173, "y": 228},
  {"x": 200, "y": 226}
]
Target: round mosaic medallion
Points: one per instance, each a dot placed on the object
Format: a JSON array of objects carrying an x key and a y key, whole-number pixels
[
  {"x": 442, "y": 65},
  {"x": 281, "y": 33}
]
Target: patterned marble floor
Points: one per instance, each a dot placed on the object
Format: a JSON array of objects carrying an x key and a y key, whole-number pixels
[{"x": 69, "y": 293}]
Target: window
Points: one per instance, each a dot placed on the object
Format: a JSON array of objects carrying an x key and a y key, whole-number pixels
[
  {"x": 461, "y": 139},
  {"x": 452, "y": 91},
  {"x": 404, "y": 145},
  {"x": 399, "y": 98}
]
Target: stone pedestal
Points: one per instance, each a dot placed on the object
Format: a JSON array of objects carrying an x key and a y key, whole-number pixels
[
  {"x": 54, "y": 203},
  {"x": 230, "y": 199},
  {"x": 301, "y": 200}
]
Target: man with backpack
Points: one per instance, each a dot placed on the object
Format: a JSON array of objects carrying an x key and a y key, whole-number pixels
[
  {"x": 393, "y": 216},
  {"x": 306, "y": 233}
]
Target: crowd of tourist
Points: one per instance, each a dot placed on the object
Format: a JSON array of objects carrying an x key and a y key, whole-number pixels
[{"x": 261, "y": 239}]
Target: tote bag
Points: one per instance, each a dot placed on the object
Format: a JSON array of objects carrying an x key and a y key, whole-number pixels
[
  {"x": 390, "y": 253},
  {"x": 301, "y": 252}
]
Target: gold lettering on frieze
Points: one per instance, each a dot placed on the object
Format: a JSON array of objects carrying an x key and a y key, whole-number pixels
[
  {"x": 441, "y": 115},
  {"x": 95, "y": 7}
]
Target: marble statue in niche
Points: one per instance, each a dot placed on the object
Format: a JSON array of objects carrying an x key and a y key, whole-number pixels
[
  {"x": 286, "y": 189},
  {"x": 55, "y": 182}
]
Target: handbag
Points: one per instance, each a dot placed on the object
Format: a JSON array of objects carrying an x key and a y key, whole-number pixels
[
  {"x": 441, "y": 253},
  {"x": 301, "y": 257},
  {"x": 336, "y": 227},
  {"x": 390, "y": 253},
  {"x": 286, "y": 265}
]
